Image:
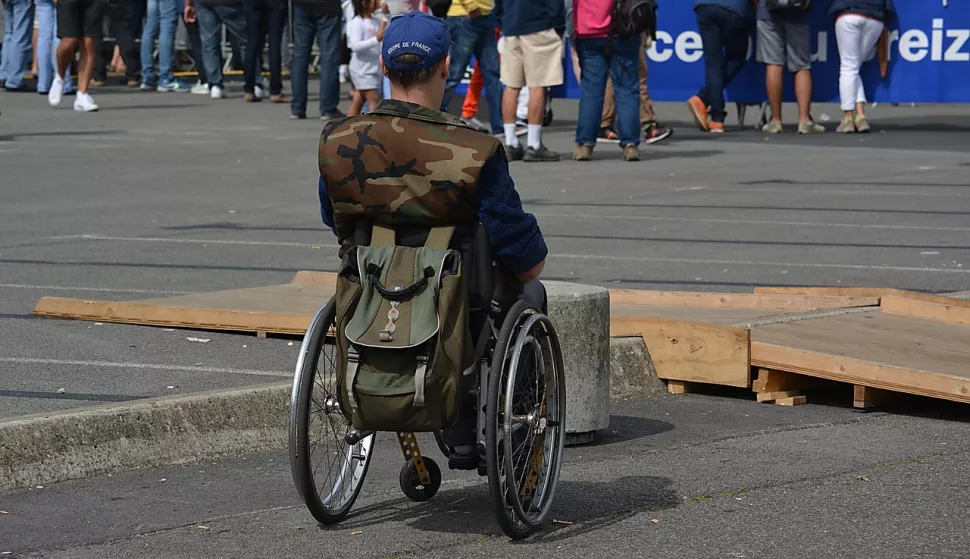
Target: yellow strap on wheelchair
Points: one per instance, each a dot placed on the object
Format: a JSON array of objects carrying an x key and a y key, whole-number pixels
[
  {"x": 382, "y": 236},
  {"x": 439, "y": 238}
]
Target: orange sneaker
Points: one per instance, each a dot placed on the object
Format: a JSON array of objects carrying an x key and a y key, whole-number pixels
[
  {"x": 699, "y": 110},
  {"x": 715, "y": 127}
]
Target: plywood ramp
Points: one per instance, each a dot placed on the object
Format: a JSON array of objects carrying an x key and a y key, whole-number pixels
[{"x": 278, "y": 309}]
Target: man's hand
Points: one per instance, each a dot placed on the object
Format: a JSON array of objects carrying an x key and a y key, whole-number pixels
[
  {"x": 381, "y": 30},
  {"x": 477, "y": 12},
  {"x": 189, "y": 15},
  {"x": 532, "y": 274}
]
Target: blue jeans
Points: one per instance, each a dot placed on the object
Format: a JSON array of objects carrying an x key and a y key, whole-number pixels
[
  {"x": 210, "y": 17},
  {"x": 47, "y": 42},
  {"x": 618, "y": 59},
  {"x": 476, "y": 37},
  {"x": 725, "y": 37},
  {"x": 18, "y": 30},
  {"x": 161, "y": 20},
  {"x": 325, "y": 28}
]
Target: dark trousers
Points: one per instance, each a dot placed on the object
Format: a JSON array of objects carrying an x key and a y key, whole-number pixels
[
  {"x": 118, "y": 14},
  {"x": 136, "y": 20},
  {"x": 195, "y": 39},
  {"x": 262, "y": 17},
  {"x": 725, "y": 37},
  {"x": 324, "y": 28}
]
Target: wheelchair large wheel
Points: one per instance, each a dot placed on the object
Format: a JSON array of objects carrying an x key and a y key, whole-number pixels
[
  {"x": 328, "y": 472},
  {"x": 525, "y": 420}
]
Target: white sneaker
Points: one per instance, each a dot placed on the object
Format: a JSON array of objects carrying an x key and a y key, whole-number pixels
[
  {"x": 259, "y": 92},
  {"x": 200, "y": 88},
  {"x": 56, "y": 92},
  {"x": 216, "y": 92},
  {"x": 83, "y": 103}
]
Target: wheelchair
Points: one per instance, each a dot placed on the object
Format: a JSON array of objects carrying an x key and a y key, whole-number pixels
[{"x": 516, "y": 392}]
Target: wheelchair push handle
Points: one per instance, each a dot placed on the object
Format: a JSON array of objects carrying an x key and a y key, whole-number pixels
[{"x": 398, "y": 295}]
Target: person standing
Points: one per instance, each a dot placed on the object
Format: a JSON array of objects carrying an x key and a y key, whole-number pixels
[
  {"x": 212, "y": 15},
  {"x": 264, "y": 17},
  {"x": 79, "y": 26},
  {"x": 472, "y": 28},
  {"x": 724, "y": 26},
  {"x": 532, "y": 49},
  {"x": 318, "y": 20},
  {"x": 589, "y": 23},
  {"x": 47, "y": 43},
  {"x": 858, "y": 26},
  {"x": 364, "y": 36},
  {"x": 785, "y": 40},
  {"x": 652, "y": 131},
  {"x": 18, "y": 32},
  {"x": 118, "y": 12},
  {"x": 161, "y": 21}
]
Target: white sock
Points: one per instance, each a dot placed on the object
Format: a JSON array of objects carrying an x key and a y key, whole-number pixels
[
  {"x": 511, "y": 139},
  {"x": 535, "y": 136}
]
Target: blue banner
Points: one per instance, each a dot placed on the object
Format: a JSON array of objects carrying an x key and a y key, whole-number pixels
[{"x": 929, "y": 58}]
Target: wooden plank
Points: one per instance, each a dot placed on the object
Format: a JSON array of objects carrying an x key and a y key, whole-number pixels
[
  {"x": 793, "y": 401},
  {"x": 866, "y": 397},
  {"x": 950, "y": 311},
  {"x": 827, "y": 291},
  {"x": 909, "y": 343},
  {"x": 182, "y": 317},
  {"x": 678, "y": 387},
  {"x": 858, "y": 371},
  {"x": 772, "y": 396},
  {"x": 691, "y": 351},
  {"x": 777, "y": 381},
  {"x": 735, "y": 300},
  {"x": 323, "y": 279}
]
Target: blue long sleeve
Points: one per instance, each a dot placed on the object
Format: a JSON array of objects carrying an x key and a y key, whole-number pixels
[
  {"x": 326, "y": 206},
  {"x": 514, "y": 234}
]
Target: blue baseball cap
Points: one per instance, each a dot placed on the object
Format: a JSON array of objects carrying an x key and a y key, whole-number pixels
[{"x": 415, "y": 33}]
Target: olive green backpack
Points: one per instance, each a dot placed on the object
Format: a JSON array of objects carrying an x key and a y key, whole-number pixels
[{"x": 402, "y": 334}]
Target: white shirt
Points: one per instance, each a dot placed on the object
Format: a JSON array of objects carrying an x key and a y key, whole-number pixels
[{"x": 363, "y": 43}]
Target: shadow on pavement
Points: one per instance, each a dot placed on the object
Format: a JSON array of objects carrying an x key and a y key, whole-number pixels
[
  {"x": 628, "y": 428},
  {"x": 588, "y": 505},
  {"x": 42, "y": 134}
]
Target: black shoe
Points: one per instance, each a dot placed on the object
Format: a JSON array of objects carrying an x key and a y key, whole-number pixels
[
  {"x": 540, "y": 155},
  {"x": 332, "y": 115},
  {"x": 515, "y": 153},
  {"x": 653, "y": 133},
  {"x": 464, "y": 461}
]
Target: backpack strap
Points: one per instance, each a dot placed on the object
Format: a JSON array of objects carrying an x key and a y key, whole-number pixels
[
  {"x": 382, "y": 236},
  {"x": 439, "y": 238}
]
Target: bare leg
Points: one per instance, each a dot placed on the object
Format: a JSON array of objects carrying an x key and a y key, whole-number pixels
[
  {"x": 803, "y": 93},
  {"x": 860, "y": 109},
  {"x": 773, "y": 83},
  {"x": 356, "y": 104},
  {"x": 33, "y": 65},
  {"x": 86, "y": 66},
  {"x": 537, "y": 104},
  {"x": 65, "y": 54},
  {"x": 510, "y": 102},
  {"x": 372, "y": 99}
]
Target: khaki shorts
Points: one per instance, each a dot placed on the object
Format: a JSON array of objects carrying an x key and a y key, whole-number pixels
[{"x": 532, "y": 60}]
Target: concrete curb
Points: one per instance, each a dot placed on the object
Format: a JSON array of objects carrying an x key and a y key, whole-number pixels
[{"x": 46, "y": 448}]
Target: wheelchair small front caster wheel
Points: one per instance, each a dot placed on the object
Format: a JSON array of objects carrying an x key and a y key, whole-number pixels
[
  {"x": 547, "y": 118},
  {"x": 411, "y": 481}
]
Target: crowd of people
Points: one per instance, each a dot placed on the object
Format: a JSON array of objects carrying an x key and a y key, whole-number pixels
[{"x": 517, "y": 45}]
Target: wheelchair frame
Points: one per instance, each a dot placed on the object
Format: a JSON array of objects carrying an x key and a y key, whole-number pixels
[{"x": 502, "y": 418}]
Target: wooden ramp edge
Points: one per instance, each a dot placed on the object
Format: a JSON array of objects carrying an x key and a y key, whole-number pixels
[{"x": 861, "y": 372}]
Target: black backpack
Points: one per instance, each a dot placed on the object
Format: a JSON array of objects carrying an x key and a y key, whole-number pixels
[
  {"x": 788, "y": 5},
  {"x": 633, "y": 17}
]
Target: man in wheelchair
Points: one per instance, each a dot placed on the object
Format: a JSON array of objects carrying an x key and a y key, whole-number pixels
[{"x": 408, "y": 175}]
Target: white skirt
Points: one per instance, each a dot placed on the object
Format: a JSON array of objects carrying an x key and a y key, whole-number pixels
[{"x": 365, "y": 80}]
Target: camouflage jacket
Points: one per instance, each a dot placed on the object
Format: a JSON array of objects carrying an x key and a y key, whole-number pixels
[{"x": 402, "y": 164}]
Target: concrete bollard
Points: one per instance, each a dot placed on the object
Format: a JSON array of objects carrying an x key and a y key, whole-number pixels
[{"x": 581, "y": 315}]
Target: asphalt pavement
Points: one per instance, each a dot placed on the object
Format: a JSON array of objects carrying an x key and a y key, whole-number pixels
[
  {"x": 160, "y": 194},
  {"x": 686, "y": 476}
]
